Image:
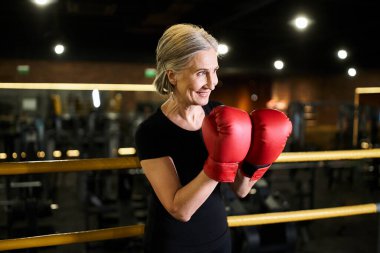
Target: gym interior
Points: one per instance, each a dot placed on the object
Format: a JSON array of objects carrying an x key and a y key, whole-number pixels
[{"x": 85, "y": 104}]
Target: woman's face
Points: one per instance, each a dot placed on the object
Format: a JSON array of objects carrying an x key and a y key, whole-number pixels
[{"x": 193, "y": 85}]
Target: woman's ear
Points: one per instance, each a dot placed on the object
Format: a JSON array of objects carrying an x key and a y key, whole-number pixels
[{"x": 171, "y": 76}]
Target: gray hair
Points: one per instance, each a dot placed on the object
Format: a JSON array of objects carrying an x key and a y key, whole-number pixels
[{"x": 175, "y": 49}]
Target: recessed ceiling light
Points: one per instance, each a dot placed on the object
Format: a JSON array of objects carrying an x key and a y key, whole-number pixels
[
  {"x": 342, "y": 54},
  {"x": 301, "y": 22},
  {"x": 351, "y": 72},
  {"x": 59, "y": 49},
  {"x": 43, "y": 2},
  {"x": 278, "y": 64},
  {"x": 222, "y": 49}
]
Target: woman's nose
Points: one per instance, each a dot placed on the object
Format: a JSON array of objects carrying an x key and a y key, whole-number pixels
[{"x": 212, "y": 81}]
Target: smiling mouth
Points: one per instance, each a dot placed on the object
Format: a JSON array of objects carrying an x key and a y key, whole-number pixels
[{"x": 203, "y": 94}]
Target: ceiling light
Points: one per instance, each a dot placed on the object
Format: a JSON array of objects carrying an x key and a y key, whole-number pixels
[
  {"x": 301, "y": 22},
  {"x": 42, "y": 3},
  {"x": 278, "y": 64},
  {"x": 351, "y": 72},
  {"x": 342, "y": 54},
  {"x": 59, "y": 49},
  {"x": 222, "y": 49}
]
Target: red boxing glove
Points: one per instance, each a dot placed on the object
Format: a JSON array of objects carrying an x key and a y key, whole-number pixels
[
  {"x": 270, "y": 131},
  {"x": 227, "y": 135}
]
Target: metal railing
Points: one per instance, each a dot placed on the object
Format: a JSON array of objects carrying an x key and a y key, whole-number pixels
[{"x": 17, "y": 168}]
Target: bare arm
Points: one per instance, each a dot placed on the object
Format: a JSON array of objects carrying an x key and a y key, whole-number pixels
[
  {"x": 180, "y": 201},
  {"x": 242, "y": 185}
]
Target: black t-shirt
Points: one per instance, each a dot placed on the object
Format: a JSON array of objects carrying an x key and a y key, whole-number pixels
[{"x": 158, "y": 137}]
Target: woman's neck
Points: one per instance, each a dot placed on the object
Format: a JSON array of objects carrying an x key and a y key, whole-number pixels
[{"x": 189, "y": 117}]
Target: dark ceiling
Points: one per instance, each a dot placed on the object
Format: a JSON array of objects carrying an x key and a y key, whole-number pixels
[{"x": 257, "y": 31}]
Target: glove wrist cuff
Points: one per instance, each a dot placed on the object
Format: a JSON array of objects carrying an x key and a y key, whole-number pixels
[
  {"x": 221, "y": 172},
  {"x": 254, "y": 172}
]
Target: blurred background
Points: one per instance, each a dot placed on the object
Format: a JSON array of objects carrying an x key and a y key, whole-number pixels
[{"x": 75, "y": 82}]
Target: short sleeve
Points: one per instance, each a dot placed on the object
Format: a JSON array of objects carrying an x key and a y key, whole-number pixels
[{"x": 147, "y": 142}]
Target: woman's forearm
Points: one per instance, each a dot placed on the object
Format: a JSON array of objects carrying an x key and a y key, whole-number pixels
[
  {"x": 242, "y": 185},
  {"x": 190, "y": 197}
]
